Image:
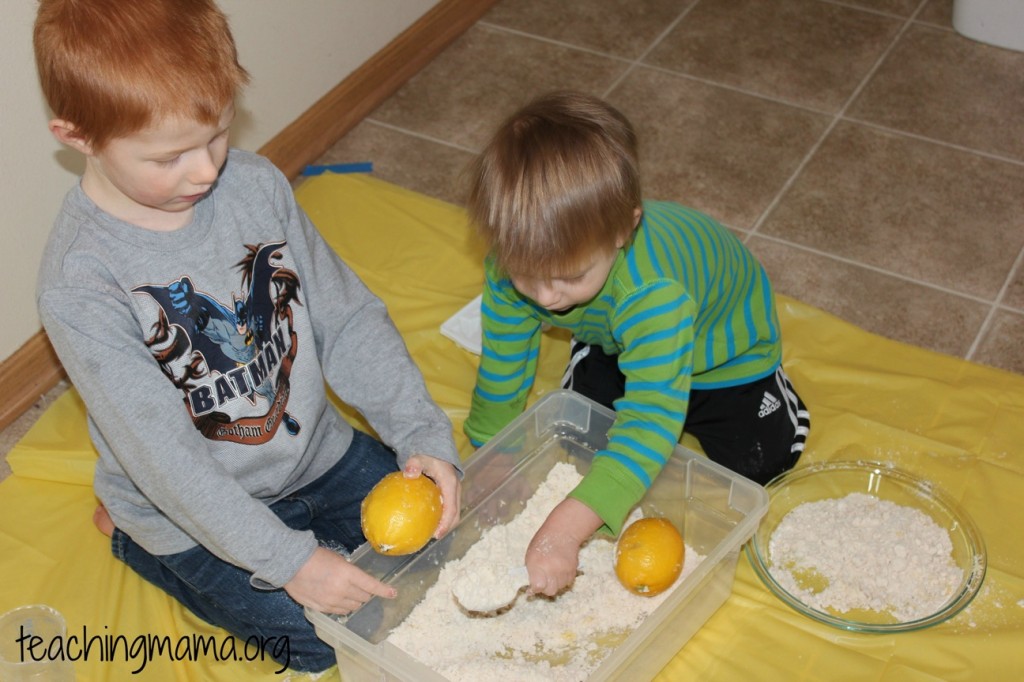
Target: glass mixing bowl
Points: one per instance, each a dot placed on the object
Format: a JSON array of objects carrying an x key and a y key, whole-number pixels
[{"x": 830, "y": 480}]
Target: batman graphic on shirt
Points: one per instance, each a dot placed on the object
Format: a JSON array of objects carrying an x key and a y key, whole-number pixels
[{"x": 229, "y": 359}]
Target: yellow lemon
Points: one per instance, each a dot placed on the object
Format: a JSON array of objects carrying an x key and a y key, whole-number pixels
[
  {"x": 649, "y": 556},
  {"x": 400, "y": 514}
]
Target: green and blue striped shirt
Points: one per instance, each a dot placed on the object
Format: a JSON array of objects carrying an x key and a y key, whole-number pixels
[{"x": 685, "y": 305}]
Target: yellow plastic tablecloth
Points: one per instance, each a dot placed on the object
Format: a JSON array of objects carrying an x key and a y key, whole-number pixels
[{"x": 955, "y": 423}]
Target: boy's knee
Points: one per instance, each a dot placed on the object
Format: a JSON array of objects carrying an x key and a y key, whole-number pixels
[
  {"x": 759, "y": 461},
  {"x": 776, "y": 448},
  {"x": 764, "y": 463}
]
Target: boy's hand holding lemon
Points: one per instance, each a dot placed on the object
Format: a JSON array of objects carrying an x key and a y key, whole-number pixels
[{"x": 401, "y": 514}]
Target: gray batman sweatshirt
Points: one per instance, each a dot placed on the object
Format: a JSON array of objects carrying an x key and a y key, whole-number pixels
[{"x": 202, "y": 355}]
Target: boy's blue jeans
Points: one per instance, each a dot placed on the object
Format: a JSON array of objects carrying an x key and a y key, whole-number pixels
[{"x": 221, "y": 594}]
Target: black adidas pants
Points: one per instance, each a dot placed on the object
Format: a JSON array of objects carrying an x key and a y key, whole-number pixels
[{"x": 757, "y": 430}]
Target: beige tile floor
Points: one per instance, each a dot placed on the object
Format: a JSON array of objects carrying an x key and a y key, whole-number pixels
[
  {"x": 872, "y": 157},
  {"x": 868, "y": 154}
]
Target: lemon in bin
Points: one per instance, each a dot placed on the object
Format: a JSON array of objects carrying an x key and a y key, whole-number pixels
[
  {"x": 649, "y": 556},
  {"x": 400, "y": 514}
]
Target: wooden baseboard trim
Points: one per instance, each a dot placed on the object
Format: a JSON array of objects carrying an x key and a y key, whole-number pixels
[
  {"x": 348, "y": 103},
  {"x": 28, "y": 373},
  {"x": 34, "y": 368}
]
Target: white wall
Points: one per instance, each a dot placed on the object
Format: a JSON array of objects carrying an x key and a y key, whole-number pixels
[{"x": 294, "y": 50}]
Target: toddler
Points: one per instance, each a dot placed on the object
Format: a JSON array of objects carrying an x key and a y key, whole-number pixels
[{"x": 673, "y": 319}]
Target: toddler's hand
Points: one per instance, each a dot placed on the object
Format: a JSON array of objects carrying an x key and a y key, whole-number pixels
[
  {"x": 327, "y": 582},
  {"x": 553, "y": 555},
  {"x": 447, "y": 479}
]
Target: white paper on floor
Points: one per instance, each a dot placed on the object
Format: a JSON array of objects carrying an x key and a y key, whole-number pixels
[{"x": 464, "y": 326}]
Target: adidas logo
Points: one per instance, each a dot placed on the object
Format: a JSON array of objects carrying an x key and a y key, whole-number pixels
[{"x": 769, "y": 404}]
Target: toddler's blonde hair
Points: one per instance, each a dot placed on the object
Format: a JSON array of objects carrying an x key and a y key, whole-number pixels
[{"x": 558, "y": 181}]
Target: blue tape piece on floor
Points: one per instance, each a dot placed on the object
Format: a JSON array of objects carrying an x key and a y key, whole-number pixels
[{"x": 363, "y": 167}]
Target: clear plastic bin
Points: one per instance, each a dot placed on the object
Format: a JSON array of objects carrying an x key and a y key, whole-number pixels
[{"x": 716, "y": 510}]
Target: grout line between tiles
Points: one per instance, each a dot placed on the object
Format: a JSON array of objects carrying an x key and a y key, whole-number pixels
[
  {"x": 633, "y": 63},
  {"x": 935, "y": 141},
  {"x": 738, "y": 89},
  {"x": 986, "y": 324},
  {"x": 913, "y": 15},
  {"x": 882, "y": 271},
  {"x": 557, "y": 43},
  {"x": 755, "y": 229},
  {"x": 869, "y": 10},
  {"x": 654, "y": 43},
  {"x": 421, "y": 136}
]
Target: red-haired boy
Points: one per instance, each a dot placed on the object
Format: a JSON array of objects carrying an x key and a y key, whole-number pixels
[{"x": 199, "y": 313}]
